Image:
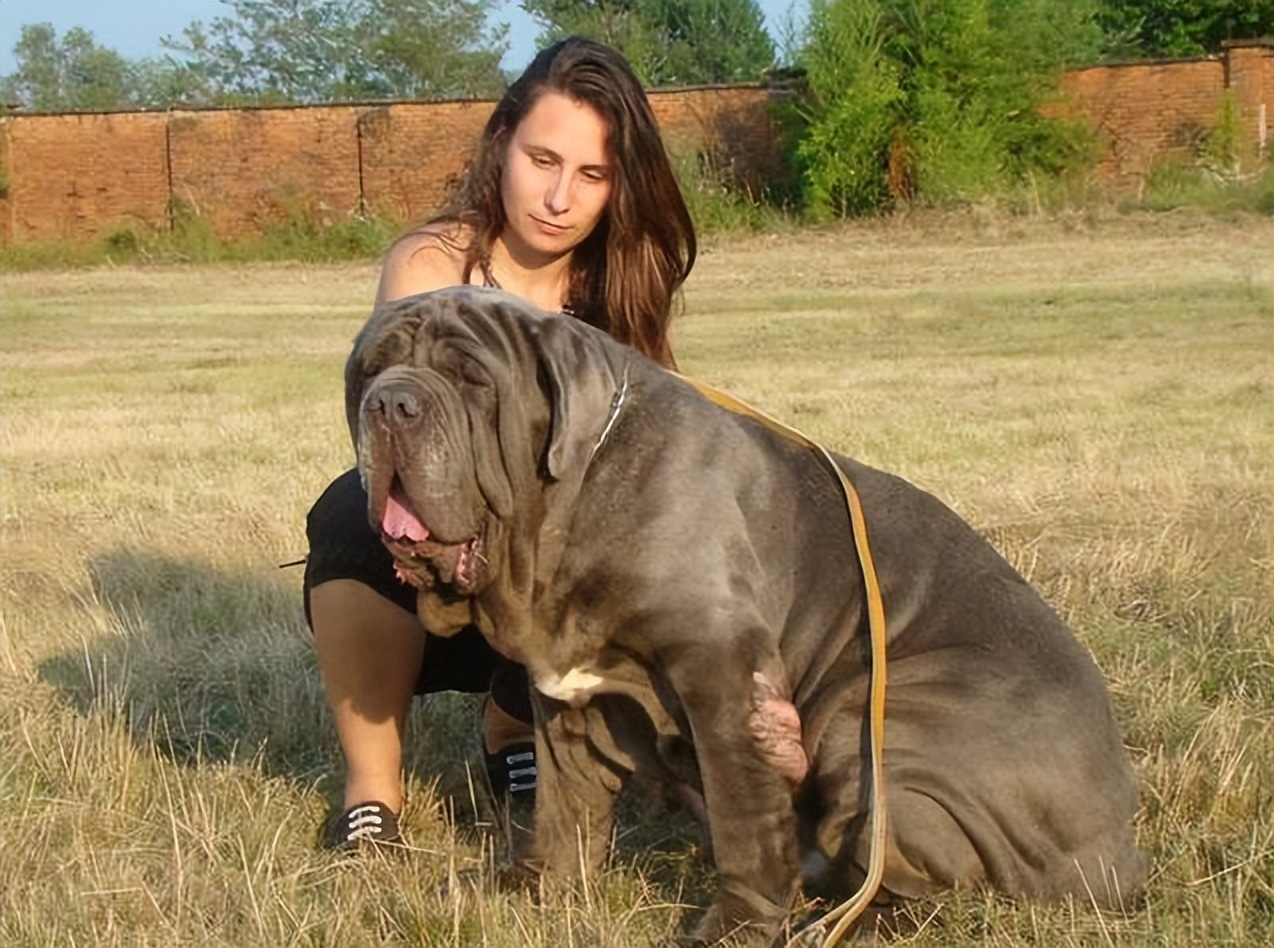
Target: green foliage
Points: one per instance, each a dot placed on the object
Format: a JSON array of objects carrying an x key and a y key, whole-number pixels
[
  {"x": 276, "y": 51},
  {"x": 69, "y": 74},
  {"x": 350, "y": 239},
  {"x": 190, "y": 238},
  {"x": 855, "y": 100},
  {"x": 983, "y": 69},
  {"x": 618, "y": 23},
  {"x": 711, "y": 41},
  {"x": 944, "y": 95},
  {"x": 716, "y": 201},
  {"x": 50, "y": 255},
  {"x": 668, "y": 42},
  {"x": 1150, "y": 29},
  {"x": 1177, "y": 182},
  {"x": 1223, "y": 148}
]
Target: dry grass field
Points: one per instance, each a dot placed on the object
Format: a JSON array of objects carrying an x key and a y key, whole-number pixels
[{"x": 1094, "y": 395}]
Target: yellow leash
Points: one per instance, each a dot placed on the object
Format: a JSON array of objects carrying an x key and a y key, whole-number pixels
[{"x": 844, "y": 915}]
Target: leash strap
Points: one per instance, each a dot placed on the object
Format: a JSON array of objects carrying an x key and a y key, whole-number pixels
[{"x": 843, "y": 915}]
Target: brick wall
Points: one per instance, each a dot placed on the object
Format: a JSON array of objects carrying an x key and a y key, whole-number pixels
[
  {"x": 79, "y": 177},
  {"x": 245, "y": 170},
  {"x": 1250, "y": 77},
  {"x": 411, "y": 153},
  {"x": 737, "y": 122},
  {"x": 1142, "y": 112},
  {"x": 1146, "y": 112},
  {"x": 66, "y": 177}
]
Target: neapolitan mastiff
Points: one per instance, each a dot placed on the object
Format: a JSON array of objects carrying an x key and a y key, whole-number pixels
[{"x": 677, "y": 576}]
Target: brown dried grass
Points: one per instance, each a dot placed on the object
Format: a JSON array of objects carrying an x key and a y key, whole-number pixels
[{"x": 1093, "y": 394}]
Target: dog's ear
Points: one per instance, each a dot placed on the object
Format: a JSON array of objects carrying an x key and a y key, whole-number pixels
[
  {"x": 492, "y": 467},
  {"x": 556, "y": 376},
  {"x": 353, "y": 395},
  {"x": 576, "y": 373}
]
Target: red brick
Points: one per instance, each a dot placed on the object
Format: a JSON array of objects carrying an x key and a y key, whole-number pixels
[
  {"x": 78, "y": 177},
  {"x": 248, "y": 170}
]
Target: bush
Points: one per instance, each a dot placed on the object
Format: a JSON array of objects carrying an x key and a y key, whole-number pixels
[
  {"x": 1223, "y": 146},
  {"x": 717, "y": 200},
  {"x": 1176, "y": 183},
  {"x": 853, "y": 107},
  {"x": 938, "y": 102}
]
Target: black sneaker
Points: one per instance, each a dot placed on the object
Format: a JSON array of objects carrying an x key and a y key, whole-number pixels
[
  {"x": 370, "y": 822},
  {"x": 511, "y": 771}
]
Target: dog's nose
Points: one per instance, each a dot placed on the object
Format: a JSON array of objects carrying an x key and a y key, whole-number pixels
[{"x": 397, "y": 402}]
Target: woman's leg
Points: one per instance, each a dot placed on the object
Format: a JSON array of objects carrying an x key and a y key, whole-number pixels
[
  {"x": 370, "y": 651},
  {"x": 501, "y": 729}
]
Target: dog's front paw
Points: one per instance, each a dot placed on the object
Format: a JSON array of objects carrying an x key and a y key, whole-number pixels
[
  {"x": 519, "y": 876},
  {"x": 745, "y": 921}
]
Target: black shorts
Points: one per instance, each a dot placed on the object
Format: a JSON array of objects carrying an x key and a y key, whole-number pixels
[{"x": 343, "y": 545}]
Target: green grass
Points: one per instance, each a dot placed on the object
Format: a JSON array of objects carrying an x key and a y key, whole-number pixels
[
  {"x": 1172, "y": 185},
  {"x": 1092, "y": 393},
  {"x": 191, "y": 239}
]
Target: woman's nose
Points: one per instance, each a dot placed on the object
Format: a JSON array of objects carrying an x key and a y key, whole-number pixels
[{"x": 558, "y": 197}]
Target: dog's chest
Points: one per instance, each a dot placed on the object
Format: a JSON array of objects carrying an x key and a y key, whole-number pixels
[{"x": 575, "y": 686}]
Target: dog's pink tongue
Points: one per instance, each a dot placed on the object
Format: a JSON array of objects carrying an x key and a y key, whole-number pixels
[{"x": 400, "y": 522}]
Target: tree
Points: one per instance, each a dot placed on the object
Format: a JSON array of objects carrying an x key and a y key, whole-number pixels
[
  {"x": 938, "y": 99},
  {"x": 71, "y": 74},
  {"x": 712, "y": 41},
  {"x": 855, "y": 95},
  {"x": 668, "y": 42},
  {"x": 331, "y": 50},
  {"x": 428, "y": 48},
  {"x": 1148, "y": 29}
]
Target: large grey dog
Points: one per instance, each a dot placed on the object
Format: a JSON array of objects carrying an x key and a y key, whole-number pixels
[{"x": 681, "y": 583}]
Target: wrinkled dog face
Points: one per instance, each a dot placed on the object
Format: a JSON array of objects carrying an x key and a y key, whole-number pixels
[{"x": 422, "y": 396}]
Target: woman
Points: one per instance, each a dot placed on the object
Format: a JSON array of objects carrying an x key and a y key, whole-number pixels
[{"x": 570, "y": 203}]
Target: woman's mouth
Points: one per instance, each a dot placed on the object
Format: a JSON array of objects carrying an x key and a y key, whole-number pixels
[{"x": 549, "y": 228}]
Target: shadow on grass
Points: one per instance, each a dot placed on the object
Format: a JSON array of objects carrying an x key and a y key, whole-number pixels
[
  {"x": 217, "y": 666},
  {"x": 214, "y": 666}
]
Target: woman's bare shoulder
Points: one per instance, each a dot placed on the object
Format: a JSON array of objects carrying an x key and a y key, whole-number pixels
[{"x": 427, "y": 258}]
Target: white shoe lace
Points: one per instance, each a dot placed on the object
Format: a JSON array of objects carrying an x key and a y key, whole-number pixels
[
  {"x": 517, "y": 773},
  {"x": 364, "y": 822}
]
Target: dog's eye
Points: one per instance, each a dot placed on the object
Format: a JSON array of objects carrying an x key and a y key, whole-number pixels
[
  {"x": 473, "y": 372},
  {"x": 463, "y": 364}
]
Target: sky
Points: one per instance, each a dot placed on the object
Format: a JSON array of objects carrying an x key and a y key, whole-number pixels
[{"x": 133, "y": 28}]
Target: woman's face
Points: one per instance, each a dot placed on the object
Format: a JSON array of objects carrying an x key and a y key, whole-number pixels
[{"x": 557, "y": 177}]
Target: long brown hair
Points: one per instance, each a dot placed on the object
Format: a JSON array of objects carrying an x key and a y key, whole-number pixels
[{"x": 627, "y": 272}]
